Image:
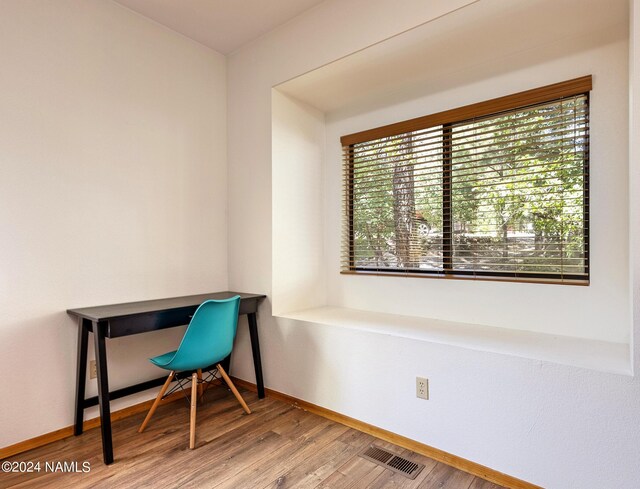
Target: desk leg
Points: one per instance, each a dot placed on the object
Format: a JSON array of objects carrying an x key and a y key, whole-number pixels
[
  {"x": 81, "y": 374},
  {"x": 255, "y": 348},
  {"x": 103, "y": 393}
]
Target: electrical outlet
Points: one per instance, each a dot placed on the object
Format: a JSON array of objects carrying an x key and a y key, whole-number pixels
[
  {"x": 422, "y": 388},
  {"x": 93, "y": 372}
]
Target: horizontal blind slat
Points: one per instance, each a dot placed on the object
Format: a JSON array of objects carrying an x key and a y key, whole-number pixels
[{"x": 578, "y": 119}]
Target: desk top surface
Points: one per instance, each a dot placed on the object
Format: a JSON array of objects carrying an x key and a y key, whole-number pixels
[{"x": 111, "y": 311}]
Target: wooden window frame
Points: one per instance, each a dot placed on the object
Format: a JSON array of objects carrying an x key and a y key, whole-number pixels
[{"x": 446, "y": 119}]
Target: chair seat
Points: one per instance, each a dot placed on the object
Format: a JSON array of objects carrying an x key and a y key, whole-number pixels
[{"x": 164, "y": 359}]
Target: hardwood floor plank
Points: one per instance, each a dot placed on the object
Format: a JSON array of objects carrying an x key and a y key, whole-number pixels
[
  {"x": 307, "y": 445},
  {"x": 479, "y": 483},
  {"x": 356, "y": 472},
  {"x": 351, "y": 476},
  {"x": 444, "y": 477},
  {"x": 229, "y": 464},
  {"x": 224, "y": 452},
  {"x": 312, "y": 471},
  {"x": 278, "y": 446}
]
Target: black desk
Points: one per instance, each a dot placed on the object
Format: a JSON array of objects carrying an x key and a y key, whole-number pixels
[{"x": 117, "y": 320}]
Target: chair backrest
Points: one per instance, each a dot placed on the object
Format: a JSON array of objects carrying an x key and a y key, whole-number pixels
[{"x": 209, "y": 336}]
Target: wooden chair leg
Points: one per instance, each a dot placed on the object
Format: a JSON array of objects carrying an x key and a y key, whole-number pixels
[
  {"x": 194, "y": 400},
  {"x": 233, "y": 389},
  {"x": 156, "y": 403},
  {"x": 200, "y": 386}
]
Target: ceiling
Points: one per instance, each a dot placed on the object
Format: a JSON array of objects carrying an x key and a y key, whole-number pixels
[
  {"x": 223, "y": 25},
  {"x": 476, "y": 42}
]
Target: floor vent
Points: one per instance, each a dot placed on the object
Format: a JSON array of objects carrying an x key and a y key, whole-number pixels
[{"x": 392, "y": 461}]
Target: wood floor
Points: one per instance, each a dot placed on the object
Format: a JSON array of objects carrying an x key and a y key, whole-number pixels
[{"x": 278, "y": 446}]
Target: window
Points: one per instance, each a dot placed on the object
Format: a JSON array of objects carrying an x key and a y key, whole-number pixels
[{"x": 495, "y": 190}]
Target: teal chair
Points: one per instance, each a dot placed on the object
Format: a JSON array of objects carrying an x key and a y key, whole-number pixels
[{"x": 207, "y": 341}]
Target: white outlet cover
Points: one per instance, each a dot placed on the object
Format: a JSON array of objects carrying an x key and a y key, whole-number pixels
[{"x": 422, "y": 388}]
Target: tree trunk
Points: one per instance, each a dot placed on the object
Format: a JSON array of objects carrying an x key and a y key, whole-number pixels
[
  {"x": 505, "y": 236},
  {"x": 404, "y": 206}
]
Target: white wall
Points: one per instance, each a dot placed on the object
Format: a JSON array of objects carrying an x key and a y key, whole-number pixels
[
  {"x": 569, "y": 311},
  {"x": 557, "y": 426},
  {"x": 634, "y": 179},
  {"x": 301, "y": 45},
  {"x": 113, "y": 188},
  {"x": 298, "y": 211}
]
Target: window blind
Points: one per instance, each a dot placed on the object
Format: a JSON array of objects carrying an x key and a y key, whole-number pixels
[{"x": 496, "y": 190}]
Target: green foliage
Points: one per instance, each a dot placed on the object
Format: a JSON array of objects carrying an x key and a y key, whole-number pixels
[{"x": 517, "y": 194}]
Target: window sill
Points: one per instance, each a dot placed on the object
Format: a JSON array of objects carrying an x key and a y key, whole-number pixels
[
  {"x": 457, "y": 276},
  {"x": 576, "y": 352}
]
